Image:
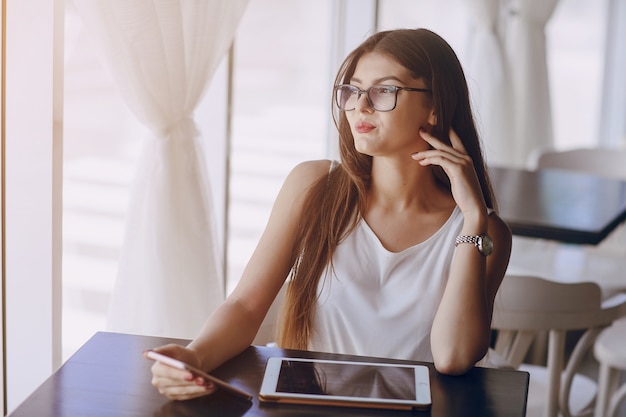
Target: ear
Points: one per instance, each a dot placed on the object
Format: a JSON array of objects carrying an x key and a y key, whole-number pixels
[{"x": 432, "y": 118}]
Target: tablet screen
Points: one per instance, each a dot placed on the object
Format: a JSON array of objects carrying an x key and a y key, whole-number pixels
[
  {"x": 347, "y": 380},
  {"x": 346, "y": 383}
]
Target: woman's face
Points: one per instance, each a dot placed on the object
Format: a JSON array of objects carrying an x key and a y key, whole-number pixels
[{"x": 395, "y": 132}]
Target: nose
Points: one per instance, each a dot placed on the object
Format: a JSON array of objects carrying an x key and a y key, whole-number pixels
[{"x": 363, "y": 103}]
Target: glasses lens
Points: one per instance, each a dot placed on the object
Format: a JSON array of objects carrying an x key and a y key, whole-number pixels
[
  {"x": 383, "y": 97},
  {"x": 346, "y": 97}
]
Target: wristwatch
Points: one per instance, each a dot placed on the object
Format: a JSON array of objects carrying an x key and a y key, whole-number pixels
[{"x": 482, "y": 242}]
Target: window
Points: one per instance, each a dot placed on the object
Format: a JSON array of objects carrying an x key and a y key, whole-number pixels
[
  {"x": 281, "y": 117},
  {"x": 101, "y": 142},
  {"x": 576, "y": 36},
  {"x": 575, "y": 47},
  {"x": 282, "y": 76},
  {"x": 281, "y": 110}
]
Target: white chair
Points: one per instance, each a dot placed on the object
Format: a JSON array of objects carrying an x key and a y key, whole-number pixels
[
  {"x": 526, "y": 305},
  {"x": 610, "y": 351},
  {"x": 604, "y": 162}
]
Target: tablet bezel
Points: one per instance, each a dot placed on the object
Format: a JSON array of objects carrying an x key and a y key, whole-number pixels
[{"x": 269, "y": 394}]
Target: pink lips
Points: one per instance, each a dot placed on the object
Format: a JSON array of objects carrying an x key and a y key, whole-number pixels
[{"x": 364, "y": 127}]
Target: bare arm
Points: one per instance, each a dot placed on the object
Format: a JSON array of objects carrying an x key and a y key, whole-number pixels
[
  {"x": 233, "y": 326},
  {"x": 461, "y": 329}
]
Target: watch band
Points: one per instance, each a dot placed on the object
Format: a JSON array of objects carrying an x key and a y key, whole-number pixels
[
  {"x": 466, "y": 239},
  {"x": 483, "y": 243}
]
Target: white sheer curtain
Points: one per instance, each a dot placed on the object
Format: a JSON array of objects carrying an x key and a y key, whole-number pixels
[
  {"x": 526, "y": 51},
  {"x": 489, "y": 80},
  {"x": 162, "y": 55},
  {"x": 613, "y": 111}
]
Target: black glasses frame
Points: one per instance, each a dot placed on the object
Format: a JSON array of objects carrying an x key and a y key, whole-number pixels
[{"x": 360, "y": 92}]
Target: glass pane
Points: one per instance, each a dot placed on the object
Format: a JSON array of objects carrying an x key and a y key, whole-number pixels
[
  {"x": 281, "y": 112},
  {"x": 575, "y": 46},
  {"x": 101, "y": 143},
  {"x": 281, "y": 116},
  {"x": 447, "y": 18},
  {"x": 575, "y": 36}
]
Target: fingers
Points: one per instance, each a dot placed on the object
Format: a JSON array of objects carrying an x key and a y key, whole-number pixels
[
  {"x": 456, "y": 142},
  {"x": 178, "y": 384},
  {"x": 180, "y": 353},
  {"x": 164, "y": 371},
  {"x": 175, "y": 383},
  {"x": 442, "y": 152},
  {"x": 456, "y": 147},
  {"x": 172, "y": 350},
  {"x": 184, "y": 392},
  {"x": 459, "y": 168}
]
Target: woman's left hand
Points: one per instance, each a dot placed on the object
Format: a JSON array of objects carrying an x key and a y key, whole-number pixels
[{"x": 459, "y": 167}]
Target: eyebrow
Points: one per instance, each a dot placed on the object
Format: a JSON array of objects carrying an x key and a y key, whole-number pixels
[{"x": 379, "y": 80}]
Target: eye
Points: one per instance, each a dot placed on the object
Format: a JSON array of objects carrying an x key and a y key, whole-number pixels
[
  {"x": 383, "y": 89},
  {"x": 348, "y": 90}
]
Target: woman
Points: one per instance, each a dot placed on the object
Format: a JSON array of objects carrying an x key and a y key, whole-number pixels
[{"x": 394, "y": 252}]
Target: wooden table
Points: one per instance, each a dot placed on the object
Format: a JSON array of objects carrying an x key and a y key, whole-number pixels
[
  {"x": 559, "y": 205},
  {"x": 109, "y": 377}
]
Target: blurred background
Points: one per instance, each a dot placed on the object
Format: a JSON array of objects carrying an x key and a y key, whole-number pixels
[{"x": 282, "y": 73}]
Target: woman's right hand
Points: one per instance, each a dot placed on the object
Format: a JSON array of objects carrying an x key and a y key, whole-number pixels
[{"x": 179, "y": 384}]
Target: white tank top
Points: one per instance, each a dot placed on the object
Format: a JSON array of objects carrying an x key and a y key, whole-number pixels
[{"x": 381, "y": 303}]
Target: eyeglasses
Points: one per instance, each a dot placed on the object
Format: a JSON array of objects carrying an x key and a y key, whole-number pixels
[{"x": 379, "y": 97}]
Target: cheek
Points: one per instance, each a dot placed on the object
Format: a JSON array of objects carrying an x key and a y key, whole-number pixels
[
  {"x": 406, "y": 130},
  {"x": 351, "y": 119},
  {"x": 406, "y": 125},
  {"x": 418, "y": 121}
]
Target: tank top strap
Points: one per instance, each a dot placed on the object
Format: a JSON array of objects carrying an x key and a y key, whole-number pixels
[{"x": 333, "y": 164}]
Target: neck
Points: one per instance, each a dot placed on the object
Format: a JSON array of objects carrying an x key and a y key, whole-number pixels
[{"x": 401, "y": 186}]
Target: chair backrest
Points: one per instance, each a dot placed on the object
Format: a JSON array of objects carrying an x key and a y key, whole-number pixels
[
  {"x": 536, "y": 304},
  {"x": 528, "y": 305},
  {"x": 599, "y": 161}
]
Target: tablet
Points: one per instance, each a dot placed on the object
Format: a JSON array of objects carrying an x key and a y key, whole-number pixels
[{"x": 346, "y": 383}]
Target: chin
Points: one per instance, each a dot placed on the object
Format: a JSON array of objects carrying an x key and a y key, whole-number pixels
[
  {"x": 363, "y": 146},
  {"x": 363, "y": 151}
]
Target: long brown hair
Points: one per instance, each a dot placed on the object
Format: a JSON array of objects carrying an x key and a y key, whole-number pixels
[{"x": 334, "y": 204}]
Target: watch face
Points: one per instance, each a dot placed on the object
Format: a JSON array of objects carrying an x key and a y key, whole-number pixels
[{"x": 485, "y": 245}]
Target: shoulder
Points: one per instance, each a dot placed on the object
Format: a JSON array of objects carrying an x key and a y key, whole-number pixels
[
  {"x": 308, "y": 173},
  {"x": 300, "y": 180},
  {"x": 313, "y": 168}
]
